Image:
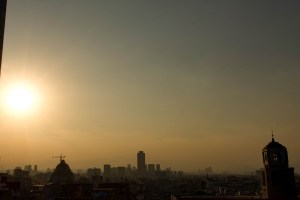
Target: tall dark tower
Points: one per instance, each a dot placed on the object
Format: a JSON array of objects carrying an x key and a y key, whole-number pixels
[
  {"x": 141, "y": 163},
  {"x": 2, "y": 25},
  {"x": 278, "y": 180}
]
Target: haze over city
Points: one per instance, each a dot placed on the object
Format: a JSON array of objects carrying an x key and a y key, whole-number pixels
[{"x": 191, "y": 83}]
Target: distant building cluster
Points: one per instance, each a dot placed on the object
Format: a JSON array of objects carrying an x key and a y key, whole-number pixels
[
  {"x": 206, "y": 171},
  {"x": 276, "y": 181},
  {"x": 119, "y": 182},
  {"x": 146, "y": 170},
  {"x": 142, "y": 170},
  {"x": 148, "y": 181}
]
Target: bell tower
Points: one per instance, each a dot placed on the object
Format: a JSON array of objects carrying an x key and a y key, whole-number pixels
[{"x": 278, "y": 181}]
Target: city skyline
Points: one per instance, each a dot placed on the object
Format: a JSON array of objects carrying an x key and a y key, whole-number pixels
[
  {"x": 192, "y": 84},
  {"x": 141, "y": 168},
  {"x": 275, "y": 181}
]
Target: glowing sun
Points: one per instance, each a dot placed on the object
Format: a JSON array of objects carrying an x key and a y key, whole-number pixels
[{"x": 20, "y": 98}]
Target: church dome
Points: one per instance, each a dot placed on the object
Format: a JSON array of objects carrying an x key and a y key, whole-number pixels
[{"x": 62, "y": 173}]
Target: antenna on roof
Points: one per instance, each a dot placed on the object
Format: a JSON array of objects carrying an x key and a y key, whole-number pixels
[{"x": 272, "y": 136}]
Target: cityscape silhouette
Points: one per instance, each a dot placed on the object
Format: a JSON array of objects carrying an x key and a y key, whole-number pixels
[{"x": 149, "y": 100}]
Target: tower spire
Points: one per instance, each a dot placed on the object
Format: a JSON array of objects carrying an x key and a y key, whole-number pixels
[{"x": 273, "y": 136}]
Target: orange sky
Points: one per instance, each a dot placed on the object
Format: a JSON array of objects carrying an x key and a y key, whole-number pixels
[{"x": 192, "y": 84}]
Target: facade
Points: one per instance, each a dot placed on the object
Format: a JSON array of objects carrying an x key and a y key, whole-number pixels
[
  {"x": 35, "y": 169},
  {"x": 128, "y": 170},
  {"x": 278, "y": 180},
  {"x": 106, "y": 170},
  {"x": 121, "y": 171},
  {"x": 28, "y": 168},
  {"x": 93, "y": 172},
  {"x": 22, "y": 177},
  {"x": 141, "y": 162},
  {"x": 157, "y": 166},
  {"x": 151, "y": 169}
]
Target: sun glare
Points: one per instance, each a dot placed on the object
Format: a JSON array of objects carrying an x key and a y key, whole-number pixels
[{"x": 20, "y": 98}]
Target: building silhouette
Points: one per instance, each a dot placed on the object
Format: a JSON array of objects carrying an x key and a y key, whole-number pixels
[
  {"x": 62, "y": 174},
  {"x": 278, "y": 180},
  {"x": 35, "y": 169},
  {"x": 141, "y": 163},
  {"x": 157, "y": 167},
  {"x": 106, "y": 170},
  {"x": 208, "y": 171},
  {"x": 151, "y": 169},
  {"x": 121, "y": 171}
]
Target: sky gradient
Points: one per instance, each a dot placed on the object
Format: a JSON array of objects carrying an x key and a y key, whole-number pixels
[{"x": 191, "y": 83}]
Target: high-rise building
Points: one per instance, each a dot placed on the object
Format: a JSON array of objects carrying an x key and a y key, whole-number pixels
[
  {"x": 141, "y": 162},
  {"x": 93, "y": 172},
  {"x": 28, "y": 168},
  {"x": 278, "y": 180},
  {"x": 19, "y": 173},
  {"x": 151, "y": 169},
  {"x": 106, "y": 170},
  {"x": 113, "y": 172},
  {"x": 121, "y": 171},
  {"x": 157, "y": 167},
  {"x": 35, "y": 169},
  {"x": 128, "y": 170}
]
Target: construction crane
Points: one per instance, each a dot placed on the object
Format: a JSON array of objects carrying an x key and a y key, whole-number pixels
[{"x": 61, "y": 157}]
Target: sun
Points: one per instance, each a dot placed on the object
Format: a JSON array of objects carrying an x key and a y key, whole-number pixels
[{"x": 21, "y": 98}]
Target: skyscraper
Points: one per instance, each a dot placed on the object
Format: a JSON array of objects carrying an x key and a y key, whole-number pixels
[
  {"x": 141, "y": 162},
  {"x": 106, "y": 170}
]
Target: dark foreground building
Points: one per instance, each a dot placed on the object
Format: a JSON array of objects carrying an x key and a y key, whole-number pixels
[
  {"x": 277, "y": 178},
  {"x": 62, "y": 174},
  {"x": 63, "y": 186}
]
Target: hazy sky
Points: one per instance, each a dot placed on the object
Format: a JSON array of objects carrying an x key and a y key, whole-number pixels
[{"x": 191, "y": 83}]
